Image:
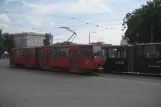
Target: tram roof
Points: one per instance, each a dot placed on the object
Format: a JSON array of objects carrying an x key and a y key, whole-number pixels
[
  {"x": 57, "y": 45},
  {"x": 149, "y": 44}
]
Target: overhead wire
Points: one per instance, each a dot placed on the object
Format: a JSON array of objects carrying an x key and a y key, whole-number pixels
[
  {"x": 19, "y": 25},
  {"x": 75, "y": 19},
  {"x": 86, "y": 24}
]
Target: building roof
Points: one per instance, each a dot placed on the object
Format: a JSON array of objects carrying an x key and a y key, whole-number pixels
[{"x": 28, "y": 33}]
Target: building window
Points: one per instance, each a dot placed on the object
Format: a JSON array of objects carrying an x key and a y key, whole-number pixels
[
  {"x": 22, "y": 41},
  {"x": 64, "y": 52}
]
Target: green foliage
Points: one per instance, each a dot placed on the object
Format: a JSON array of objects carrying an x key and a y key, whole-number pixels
[
  {"x": 6, "y": 42},
  {"x": 46, "y": 41},
  {"x": 1, "y": 43},
  {"x": 144, "y": 22}
]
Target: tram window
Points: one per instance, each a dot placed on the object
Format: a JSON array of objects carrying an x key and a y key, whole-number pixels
[
  {"x": 63, "y": 52},
  {"x": 151, "y": 52},
  {"x": 33, "y": 52},
  {"x": 139, "y": 52},
  {"x": 41, "y": 52},
  {"x": 112, "y": 53},
  {"x": 115, "y": 53},
  {"x": 124, "y": 54},
  {"x": 54, "y": 52},
  {"x": 22, "y": 54},
  {"x": 118, "y": 54},
  {"x": 121, "y": 55},
  {"x": 97, "y": 51},
  {"x": 87, "y": 52},
  {"x": 19, "y": 53}
]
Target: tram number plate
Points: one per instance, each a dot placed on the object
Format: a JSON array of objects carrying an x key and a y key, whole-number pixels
[{"x": 119, "y": 62}]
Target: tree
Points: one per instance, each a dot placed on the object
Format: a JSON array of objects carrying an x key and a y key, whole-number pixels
[
  {"x": 46, "y": 41},
  {"x": 6, "y": 42},
  {"x": 1, "y": 43},
  {"x": 1, "y": 35},
  {"x": 144, "y": 24}
]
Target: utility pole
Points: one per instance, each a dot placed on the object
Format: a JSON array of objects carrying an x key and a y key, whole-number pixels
[{"x": 89, "y": 37}]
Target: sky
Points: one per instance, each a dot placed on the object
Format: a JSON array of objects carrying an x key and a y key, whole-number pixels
[{"x": 102, "y": 19}]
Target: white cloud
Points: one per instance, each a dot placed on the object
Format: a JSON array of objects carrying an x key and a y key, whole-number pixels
[
  {"x": 70, "y": 7},
  {"x": 127, "y": 0},
  {"x": 4, "y": 20},
  {"x": 38, "y": 13},
  {"x": 2, "y": 25},
  {"x": 33, "y": 20},
  {"x": 16, "y": 29},
  {"x": 8, "y": 1}
]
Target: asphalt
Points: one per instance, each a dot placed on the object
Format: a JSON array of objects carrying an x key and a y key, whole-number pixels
[{"x": 36, "y": 88}]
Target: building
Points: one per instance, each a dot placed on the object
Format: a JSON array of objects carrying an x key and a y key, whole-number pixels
[
  {"x": 124, "y": 41},
  {"x": 29, "y": 39}
]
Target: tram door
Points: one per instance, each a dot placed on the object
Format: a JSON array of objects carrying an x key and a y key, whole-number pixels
[
  {"x": 28, "y": 58},
  {"x": 74, "y": 60},
  {"x": 46, "y": 58}
]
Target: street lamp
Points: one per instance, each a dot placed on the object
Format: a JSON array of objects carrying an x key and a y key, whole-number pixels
[{"x": 90, "y": 36}]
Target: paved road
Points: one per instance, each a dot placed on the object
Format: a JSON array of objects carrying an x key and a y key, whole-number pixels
[{"x": 33, "y": 88}]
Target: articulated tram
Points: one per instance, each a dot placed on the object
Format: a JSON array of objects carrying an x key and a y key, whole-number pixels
[
  {"x": 71, "y": 58},
  {"x": 139, "y": 58}
]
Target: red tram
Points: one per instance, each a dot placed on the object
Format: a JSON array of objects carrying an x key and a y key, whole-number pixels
[{"x": 72, "y": 58}]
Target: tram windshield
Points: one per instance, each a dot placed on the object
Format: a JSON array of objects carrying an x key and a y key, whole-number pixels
[
  {"x": 97, "y": 51},
  {"x": 92, "y": 52},
  {"x": 117, "y": 53},
  {"x": 151, "y": 52}
]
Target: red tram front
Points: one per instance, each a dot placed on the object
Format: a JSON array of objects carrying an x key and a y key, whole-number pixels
[{"x": 76, "y": 58}]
